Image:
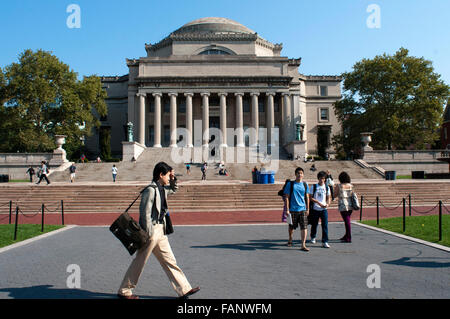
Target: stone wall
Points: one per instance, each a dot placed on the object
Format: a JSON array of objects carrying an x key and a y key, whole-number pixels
[
  {"x": 405, "y": 162},
  {"x": 16, "y": 164}
]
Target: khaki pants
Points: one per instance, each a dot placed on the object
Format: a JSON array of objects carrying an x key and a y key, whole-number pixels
[{"x": 159, "y": 245}]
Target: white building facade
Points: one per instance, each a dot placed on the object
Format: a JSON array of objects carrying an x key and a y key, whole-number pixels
[{"x": 221, "y": 73}]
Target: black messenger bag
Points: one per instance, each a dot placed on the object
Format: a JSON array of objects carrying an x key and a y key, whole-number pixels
[{"x": 128, "y": 231}]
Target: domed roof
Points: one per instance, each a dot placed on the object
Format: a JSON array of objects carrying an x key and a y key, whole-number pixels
[{"x": 213, "y": 25}]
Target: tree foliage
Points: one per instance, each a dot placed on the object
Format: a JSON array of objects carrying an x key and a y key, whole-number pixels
[
  {"x": 41, "y": 97},
  {"x": 398, "y": 98}
]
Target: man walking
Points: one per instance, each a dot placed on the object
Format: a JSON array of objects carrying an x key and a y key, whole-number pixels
[
  {"x": 297, "y": 203},
  {"x": 152, "y": 218},
  {"x": 320, "y": 196},
  {"x": 44, "y": 172},
  {"x": 31, "y": 172}
]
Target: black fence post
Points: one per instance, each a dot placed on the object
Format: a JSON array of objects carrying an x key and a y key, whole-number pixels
[
  {"x": 361, "y": 209},
  {"x": 404, "y": 215},
  {"x": 378, "y": 211},
  {"x": 10, "y": 211},
  {"x": 409, "y": 199},
  {"x": 62, "y": 211},
  {"x": 17, "y": 221},
  {"x": 440, "y": 220},
  {"x": 42, "y": 222}
]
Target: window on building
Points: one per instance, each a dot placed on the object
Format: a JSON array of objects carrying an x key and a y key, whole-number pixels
[
  {"x": 214, "y": 101},
  {"x": 260, "y": 106},
  {"x": 166, "y": 135},
  {"x": 246, "y": 104},
  {"x": 214, "y": 52},
  {"x": 151, "y": 135},
  {"x": 166, "y": 105},
  {"x": 151, "y": 105},
  {"x": 181, "y": 105},
  {"x": 324, "y": 114},
  {"x": 323, "y": 90},
  {"x": 276, "y": 105}
]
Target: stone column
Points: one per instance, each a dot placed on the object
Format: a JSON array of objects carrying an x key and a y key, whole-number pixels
[
  {"x": 223, "y": 118},
  {"x": 173, "y": 119},
  {"x": 270, "y": 117},
  {"x": 286, "y": 118},
  {"x": 189, "y": 113},
  {"x": 255, "y": 117},
  {"x": 239, "y": 120},
  {"x": 205, "y": 118},
  {"x": 157, "y": 120},
  {"x": 141, "y": 137}
]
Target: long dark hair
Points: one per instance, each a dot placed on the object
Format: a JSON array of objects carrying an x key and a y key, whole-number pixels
[
  {"x": 344, "y": 178},
  {"x": 160, "y": 168}
]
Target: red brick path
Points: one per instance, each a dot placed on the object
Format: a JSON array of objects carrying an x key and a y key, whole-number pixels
[{"x": 204, "y": 218}]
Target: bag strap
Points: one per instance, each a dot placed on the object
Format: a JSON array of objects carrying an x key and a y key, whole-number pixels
[{"x": 140, "y": 193}]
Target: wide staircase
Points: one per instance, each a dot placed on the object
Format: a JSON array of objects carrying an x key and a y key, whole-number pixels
[
  {"x": 239, "y": 168},
  {"x": 210, "y": 196}
]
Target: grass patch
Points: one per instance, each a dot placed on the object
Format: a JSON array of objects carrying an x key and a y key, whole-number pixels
[
  {"x": 19, "y": 180},
  {"x": 422, "y": 227},
  {"x": 24, "y": 231},
  {"x": 403, "y": 177}
]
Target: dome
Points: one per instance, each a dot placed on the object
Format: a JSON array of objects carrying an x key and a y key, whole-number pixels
[{"x": 213, "y": 25}]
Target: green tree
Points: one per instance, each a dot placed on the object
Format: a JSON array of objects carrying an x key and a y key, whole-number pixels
[
  {"x": 41, "y": 97},
  {"x": 398, "y": 98}
]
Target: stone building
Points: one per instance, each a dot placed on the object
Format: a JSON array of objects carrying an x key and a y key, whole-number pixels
[{"x": 221, "y": 73}]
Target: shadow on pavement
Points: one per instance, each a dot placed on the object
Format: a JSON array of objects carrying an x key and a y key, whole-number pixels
[
  {"x": 47, "y": 292},
  {"x": 267, "y": 244},
  {"x": 406, "y": 261}
]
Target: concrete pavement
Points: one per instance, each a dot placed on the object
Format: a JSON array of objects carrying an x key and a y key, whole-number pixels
[{"x": 243, "y": 262}]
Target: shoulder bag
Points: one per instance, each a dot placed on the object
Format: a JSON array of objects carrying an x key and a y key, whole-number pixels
[{"x": 128, "y": 231}]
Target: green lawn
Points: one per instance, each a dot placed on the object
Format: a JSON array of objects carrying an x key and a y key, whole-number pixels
[
  {"x": 24, "y": 231},
  {"x": 422, "y": 227}
]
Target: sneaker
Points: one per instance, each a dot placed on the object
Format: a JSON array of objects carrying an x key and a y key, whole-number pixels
[
  {"x": 325, "y": 245},
  {"x": 313, "y": 240}
]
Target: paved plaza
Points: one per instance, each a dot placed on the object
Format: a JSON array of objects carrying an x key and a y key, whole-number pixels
[{"x": 230, "y": 262}]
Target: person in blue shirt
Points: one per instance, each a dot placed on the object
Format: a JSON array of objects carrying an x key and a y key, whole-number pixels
[{"x": 297, "y": 203}]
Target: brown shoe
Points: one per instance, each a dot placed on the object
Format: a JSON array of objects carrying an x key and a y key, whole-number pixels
[
  {"x": 127, "y": 297},
  {"x": 190, "y": 292}
]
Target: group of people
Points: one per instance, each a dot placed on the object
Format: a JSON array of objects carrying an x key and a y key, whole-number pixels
[
  {"x": 42, "y": 172},
  {"x": 305, "y": 205}
]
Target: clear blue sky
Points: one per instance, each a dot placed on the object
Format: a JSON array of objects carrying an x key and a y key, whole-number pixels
[{"x": 329, "y": 35}]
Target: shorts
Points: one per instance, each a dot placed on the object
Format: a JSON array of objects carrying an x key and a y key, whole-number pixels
[{"x": 299, "y": 218}]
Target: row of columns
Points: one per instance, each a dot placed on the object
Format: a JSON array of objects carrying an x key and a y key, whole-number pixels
[{"x": 270, "y": 118}]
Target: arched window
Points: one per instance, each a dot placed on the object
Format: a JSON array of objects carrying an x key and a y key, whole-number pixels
[{"x": 214, "y": 51}]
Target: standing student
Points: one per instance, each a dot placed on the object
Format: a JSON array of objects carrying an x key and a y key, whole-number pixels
[
  {"x": 330, "y": 183},
  {"x": 188, "y": 168},
  {"x": 297, "y": 203},
  {"x": 344, "y": 192},
  {"x": 152, "y": 218},
  {"x": 203, "y": 169},
  {"x": 44, "y": 171},
  {"x": 114, "y": 172},
  {"x": 72, "y": 170},
  {"x": 320, "y": 197}
]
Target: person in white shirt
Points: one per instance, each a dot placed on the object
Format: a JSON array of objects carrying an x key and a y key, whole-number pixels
[
  {"x": 114, "y": 173},
  {"x": 320, "y": 200}
]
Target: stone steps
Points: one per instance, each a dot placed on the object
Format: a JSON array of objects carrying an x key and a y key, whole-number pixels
[{"x": 115, "y": 198}]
